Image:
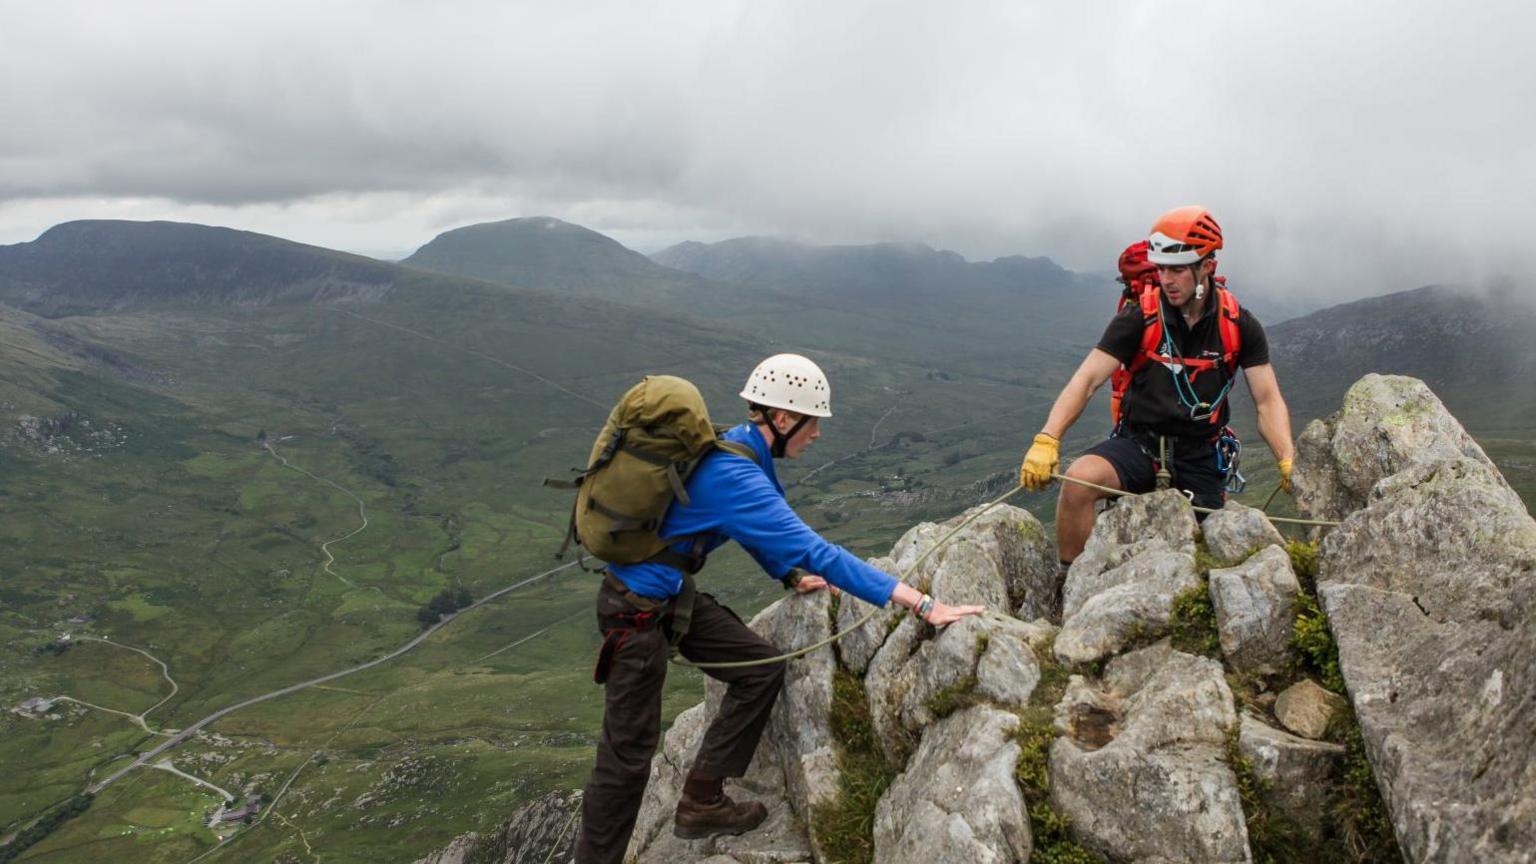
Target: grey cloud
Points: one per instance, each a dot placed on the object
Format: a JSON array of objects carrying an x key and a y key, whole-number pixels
[{"x": 1347, "y": 151}]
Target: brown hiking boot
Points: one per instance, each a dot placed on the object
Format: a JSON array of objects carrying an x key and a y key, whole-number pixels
[{"x": 696, "y": 820}]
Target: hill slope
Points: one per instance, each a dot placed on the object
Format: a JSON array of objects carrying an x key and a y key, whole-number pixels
[
  {"x": 543, "y": 252},
  {"x": 99, "y": 265},
  {"x": 1475, "y": 350}
]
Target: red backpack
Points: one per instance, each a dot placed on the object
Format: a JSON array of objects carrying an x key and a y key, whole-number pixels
[{"x": 1141, "y": 285}]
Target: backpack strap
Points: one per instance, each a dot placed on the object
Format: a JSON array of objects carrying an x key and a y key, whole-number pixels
[{"x": 1231, "y": 335}]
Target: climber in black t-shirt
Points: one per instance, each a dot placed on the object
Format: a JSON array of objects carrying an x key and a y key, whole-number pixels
[{"x": 1182, "y": 344}]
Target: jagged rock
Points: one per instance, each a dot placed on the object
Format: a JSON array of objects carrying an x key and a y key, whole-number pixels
[
  {"x": 457, "y": 851},
  {"x": 540, "y": 831},
  {"x": 801, "y": 721},
  {"x": 1236, "y": 531},
  {"x": 1298, "y": 776},
  {"x": 1307, "y": 709},
  {"x": 1131, "y": 601},
  {"x": 779, "y": 840},
  {"x": 1387, "y": 423},
  {"x": 957, "y": 802},
  {"x": 1141, "y": 771},
  {"x": 1429, "y": 592},
  {"x": 1255, "y": 606},
  {"x": 1004, "y": 560},
  {"x": 858, "y": 648}
]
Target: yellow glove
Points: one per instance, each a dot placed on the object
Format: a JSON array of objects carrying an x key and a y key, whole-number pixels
[
  {"x": 1285, "y": 475},
  {"x": 1042, "y": 460}
]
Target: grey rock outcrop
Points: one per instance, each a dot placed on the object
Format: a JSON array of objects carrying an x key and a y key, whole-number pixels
[
  {"x": 1429, "y": 593},
  {"x": 1140, "y": 555},
  {"x": 1004, "y": 560},
  {"x": 957, "y": 802},
  {"x": 543, "y": 830},
  {"x": 1236, "y": 531},
  {"x": 1298, "y": 776},
  {"x": 1255, "y": 605},
  {"x": 1131, "y": 601},
  {"x": 913, "y": 679},
  {"x": 801, "y": 722},
  {"x": 1387, "y": 423},
  {"x": 1141, "y": 768}
]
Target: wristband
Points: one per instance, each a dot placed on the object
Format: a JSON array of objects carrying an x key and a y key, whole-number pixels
[{"x": 923, "y": 607}]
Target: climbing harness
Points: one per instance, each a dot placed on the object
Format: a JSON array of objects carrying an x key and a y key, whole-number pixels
[
  {"x": 1179, "y": 367},
  {"x": 948, "y": 536}
]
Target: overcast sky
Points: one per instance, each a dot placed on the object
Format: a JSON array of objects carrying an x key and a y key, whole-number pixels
[{"x": 1347, "y": 148}]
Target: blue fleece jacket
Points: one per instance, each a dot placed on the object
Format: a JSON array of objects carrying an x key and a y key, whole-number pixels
[{"x": 730, "y": 498}]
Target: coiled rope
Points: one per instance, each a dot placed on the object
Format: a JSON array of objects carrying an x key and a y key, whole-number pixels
[{"x": 948, "y": 536}]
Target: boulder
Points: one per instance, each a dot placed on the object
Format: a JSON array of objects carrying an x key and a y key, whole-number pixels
[
  {"x": 957, "y": 802},
  {"x": 1130, "y": 602},
  {"x": 1387, "y": 423},
  {"x": 1008, "y": 670},
  {"x": 1117, "y": 534},
  {"x": 915, "y": 680},
  {"x": 1297, "y": 776},
  {"x": 1236, "y": 531},
  {"x": 1140, "y": 771},
  {"x": 1004, "y": 560},
  {"x": 1255, "y": 605},
  {"x": 1429, "y": 592},
  {"x": 856, "y": 649},
  {"x": 1307, "y": 709}
]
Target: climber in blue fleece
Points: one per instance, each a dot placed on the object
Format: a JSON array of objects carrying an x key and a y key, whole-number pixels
[{"x": 730, "y": 497}]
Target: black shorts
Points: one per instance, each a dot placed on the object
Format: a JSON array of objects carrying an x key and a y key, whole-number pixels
[{"x": 1194, "y": 466}]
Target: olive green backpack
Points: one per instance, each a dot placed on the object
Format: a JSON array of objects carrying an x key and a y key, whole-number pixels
[{"x": 655, "y": 437}]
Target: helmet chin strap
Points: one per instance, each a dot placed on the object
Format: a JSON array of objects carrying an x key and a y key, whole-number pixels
[{"x": 781, "y": 440}]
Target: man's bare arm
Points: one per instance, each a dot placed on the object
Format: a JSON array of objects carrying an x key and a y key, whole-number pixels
[
  {"x": 1088, "y": 378},
  {"x": 1274, "y": 416}
]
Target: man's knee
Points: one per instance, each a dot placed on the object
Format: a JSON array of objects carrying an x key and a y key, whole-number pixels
[{"x": 1090, "y": 469}]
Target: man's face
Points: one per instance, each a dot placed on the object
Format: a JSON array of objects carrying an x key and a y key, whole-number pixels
[
  {"x": 803, "y": 439},
  {"x": 1179, "y": 282}
]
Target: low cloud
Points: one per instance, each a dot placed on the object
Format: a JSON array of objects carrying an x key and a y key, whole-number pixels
[{"x": 1347, "y": 151}]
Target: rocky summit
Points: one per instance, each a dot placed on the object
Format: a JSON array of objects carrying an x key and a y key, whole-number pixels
[{"x": 1216, "y": 692}]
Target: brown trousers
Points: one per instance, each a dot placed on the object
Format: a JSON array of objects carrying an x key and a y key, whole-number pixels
[{"x": 632, "y": 715}]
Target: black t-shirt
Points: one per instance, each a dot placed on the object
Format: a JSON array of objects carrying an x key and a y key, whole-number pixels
[{"x": 1152, "y": 403}]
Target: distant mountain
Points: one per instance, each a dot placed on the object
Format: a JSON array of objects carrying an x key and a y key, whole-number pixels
[
  {"x": 857, "y": 274},
  {"x": 99, "y": 265},
  {"x": 543, "y": 252},
  {"x": 1476, "y": 350},
  {"x": 1007, "y": 317}
]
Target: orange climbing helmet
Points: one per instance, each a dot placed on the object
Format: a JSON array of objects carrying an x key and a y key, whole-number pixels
[{"x": 1183, "y": 236}]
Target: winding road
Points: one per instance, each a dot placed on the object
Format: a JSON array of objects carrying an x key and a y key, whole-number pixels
[
  {"x": 362, "y": 512},
  {"x": 180, "y": 737}
]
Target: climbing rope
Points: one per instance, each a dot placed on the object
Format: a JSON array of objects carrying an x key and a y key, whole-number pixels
[
  {"x": 875, "y": 610},
  {"x": 948, "y": 536},
  {"x": 1319, "y": 523}
]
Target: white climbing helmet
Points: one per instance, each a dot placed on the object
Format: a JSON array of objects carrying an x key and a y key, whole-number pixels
[{"x": 790, "y": 382}]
